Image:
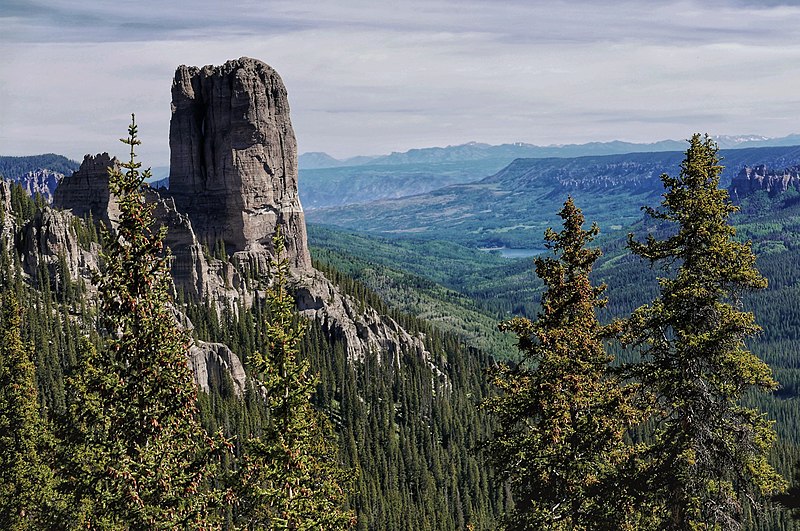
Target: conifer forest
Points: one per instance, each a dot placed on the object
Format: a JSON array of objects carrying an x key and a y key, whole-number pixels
[{"x": 648, "y": 382}]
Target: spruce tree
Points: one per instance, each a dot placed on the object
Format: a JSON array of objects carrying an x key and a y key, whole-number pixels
[
  {"x": 137, "y": 456},
  {"x": 561, "y": 413},
  {"x": 707, "y": 457},
  {"x": 27, "y": 495},
  {"x": 289, "y": 476}
]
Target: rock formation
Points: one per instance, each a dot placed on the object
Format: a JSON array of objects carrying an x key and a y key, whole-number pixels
[
  {"x": 193, "y": 271},
  {"x": 87, "y": 190},
  {"x": 233, "y": 164},
  {"x": 211, "y": 363},
  {"x": 362, "y": 329},
  {"x": 49, "y": 238},
  {"x": 761, "y": 177},
  {"x": 233, "y": 180},
  {"x": 5, "y": 197},
  {"x": 42, "y": 181},
  {"x": 197, "y": 275},
  {"x": 6, "y": 220}
]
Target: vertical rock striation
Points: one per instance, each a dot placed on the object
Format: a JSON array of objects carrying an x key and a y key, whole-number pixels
[
  {"x": 233, "y": 165},
  {"x": 761, "y": 177},
  {"x": 233, "y": 179},
  {"x": 86, "y": 191}
]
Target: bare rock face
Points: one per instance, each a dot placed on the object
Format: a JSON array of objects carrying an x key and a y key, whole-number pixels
[
  {"x": 6, "y": 215},
  {"x": 87, "y": 190},
  {"x": 233, "y": 166},
  {"x": 211, "y": 363},
  {"x": 761, "y": 177},
  {"x": 5, "y": 197},
  {"x": 49, "y": 238},
  {"x": 364, "y": 331},
  {"x": 198, "y": 275},
  {"x": 42, "y": 181}
]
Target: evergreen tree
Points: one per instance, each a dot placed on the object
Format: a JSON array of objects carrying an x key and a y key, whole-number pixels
[
  {"x": 708, "y": 456},
  {"x": 137, "y": 457},
  {"x": 289, "y": 476},
  {"x": 27, "y": 495},
  {"x": 561, "y": 414}
]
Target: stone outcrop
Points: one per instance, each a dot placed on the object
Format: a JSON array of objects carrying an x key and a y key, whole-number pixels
[
  {"x": 761, "y": 177},
  {"x": 233, "y": 180},
  {"x": 87, "y": 190},
  {"x": 212, "y": 363},
  {"x": 362, "y": 329},
  {"x": 49, "y": 238},
  {"x": 5, "y": 197},
  {"x": 233, "y": 164},
  {"x": 42, "y": 181},
  {"x": 6, "y": 215},
  {"x": 193, "y": 271},
  {"x": 196, "y": 274}
]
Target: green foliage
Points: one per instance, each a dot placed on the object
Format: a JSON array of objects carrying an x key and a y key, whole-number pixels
[
  {"x": 15, "y": 168},
  {"x": 410, "y": 430},
  {"x": 27, "y": 495},
  {"x": 705, "y": 465},
  {"x": 22, "y": 205},
  {"x": 289, "y": 475},
  {"x": 136, "y": 455},
  {"x": 561, "y": 415},
  {"x": 398, "y": 293}
]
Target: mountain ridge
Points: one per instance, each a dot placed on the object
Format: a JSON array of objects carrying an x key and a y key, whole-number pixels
[
  {"x": 480, "y": 150},
  {"x": 512, "y": 207}
]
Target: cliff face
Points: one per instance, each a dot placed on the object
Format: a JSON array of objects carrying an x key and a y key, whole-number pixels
[
  {"x": 42, "y": 181},
  {"x": 761, "y": 177},
  {"x": 6, "y": 219},
  {"x": 233, "y": 178},
  {"x": 87, "y": 190},
  {"x": 234, "y": 174},
  {"x": 49, "y": 238},
  {"x": 233, "y": 164},
  {"x": 362, "y": 329}
]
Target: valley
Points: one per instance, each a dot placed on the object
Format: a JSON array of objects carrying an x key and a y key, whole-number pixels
[
  {"x": 409, "y": 264},
  {"x": 514, "y": 206}
]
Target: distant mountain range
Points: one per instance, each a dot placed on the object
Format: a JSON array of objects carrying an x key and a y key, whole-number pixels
[
  {"x": 327, "y": 182},
  {"x": 513, "y": 207},
  {"x": 37, "y": 174},
  {"x": 481, "y": 151}
]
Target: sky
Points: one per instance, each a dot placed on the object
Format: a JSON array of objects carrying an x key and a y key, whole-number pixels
[{"x": 372, "y": 77}]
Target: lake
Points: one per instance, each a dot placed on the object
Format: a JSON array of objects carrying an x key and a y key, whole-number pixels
[{"x": 507, "y": 252}]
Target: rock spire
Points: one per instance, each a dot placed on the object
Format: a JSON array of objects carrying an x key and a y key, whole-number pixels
[{"x": 233, "y": 165}]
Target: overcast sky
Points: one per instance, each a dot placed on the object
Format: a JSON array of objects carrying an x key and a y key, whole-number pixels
[{"x": 371, "y": 77}]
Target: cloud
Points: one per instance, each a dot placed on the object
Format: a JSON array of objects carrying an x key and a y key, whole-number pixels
[{"x": 369, "y": 77}]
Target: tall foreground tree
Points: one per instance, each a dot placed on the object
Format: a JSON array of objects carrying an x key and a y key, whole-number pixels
[
  {"x": 709, "y": 452},
  {"x": 27, "y": 495},
  {"x": 289, "y": 477},
  {"x": 561, "y": 414},
  {"x": 137, "y": 456}
]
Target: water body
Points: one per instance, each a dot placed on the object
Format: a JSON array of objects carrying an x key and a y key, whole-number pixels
[{"x": 507, "y": 252}]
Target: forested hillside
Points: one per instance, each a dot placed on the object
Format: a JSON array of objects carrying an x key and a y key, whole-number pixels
[
  {"x": 405, "y": 484},
  {"x": 408, "y": 434},
  {"x": 769, "y": 220},
  {"x": 514, "y": 206},
  {"x": 15, "y": 168}
]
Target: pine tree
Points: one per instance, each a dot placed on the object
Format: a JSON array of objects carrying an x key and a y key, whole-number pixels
[
  {"x": 561, "y": 414},
  {"x": 289, "y": 477},
  {"x": 137, "y": 457},
  {"x": 27, "y": 495},
  {"x": 708, "y": 456}
]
